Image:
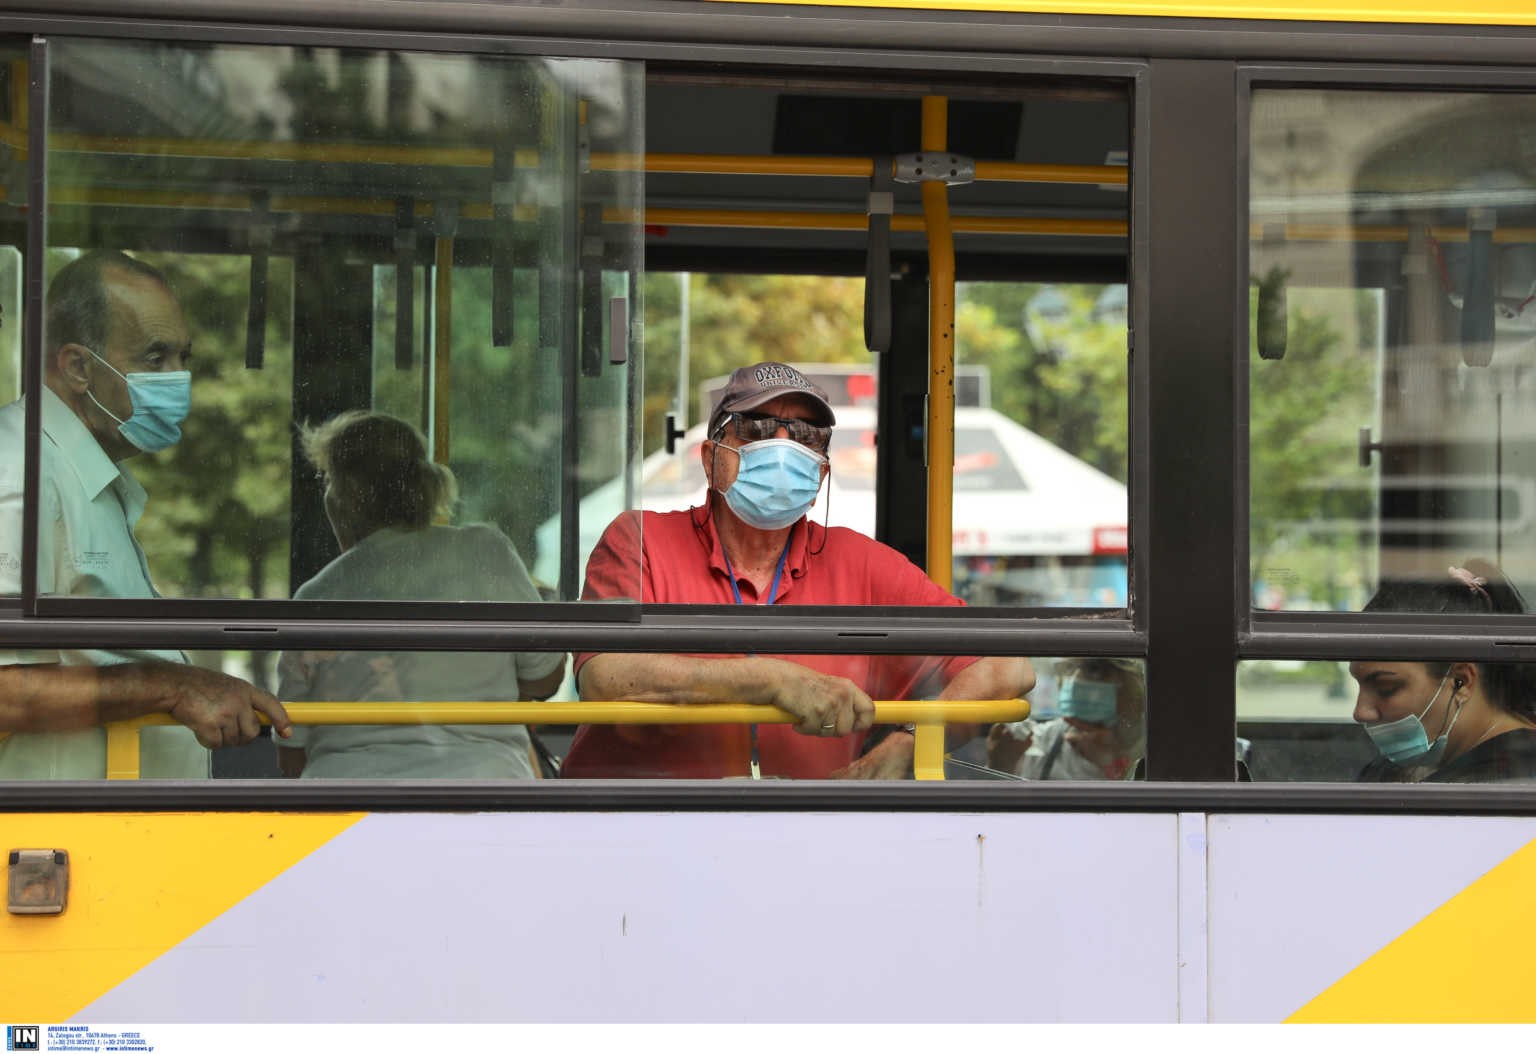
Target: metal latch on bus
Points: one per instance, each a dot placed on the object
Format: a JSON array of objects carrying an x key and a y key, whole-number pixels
[
  {"x": 38, "y": 882},
  {"x": 951, "y": 169}
]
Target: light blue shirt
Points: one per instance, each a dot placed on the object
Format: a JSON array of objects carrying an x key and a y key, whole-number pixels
[{"x": 87, "y": 509}]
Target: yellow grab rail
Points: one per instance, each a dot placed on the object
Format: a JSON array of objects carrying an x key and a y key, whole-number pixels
[
  {"x": 481, "y": 157},
  {"x": 929, "y": 715}
]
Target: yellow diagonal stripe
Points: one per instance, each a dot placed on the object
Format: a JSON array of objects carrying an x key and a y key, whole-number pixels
[
  {"x": 139, "y": 884},
  {"x": 1470, "y": 960}
]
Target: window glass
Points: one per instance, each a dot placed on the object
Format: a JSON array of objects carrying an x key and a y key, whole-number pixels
[
  {"x": 1040, "y": 497},
  {"x": 1392, "y": 334},
  {"x": 436, "y": 715},
  {"x": 405, "y": 290},
  {"x": 13, "y": 217},
  {"x": 760, "y": 257},
  {"x": 1041, "y": 505},
  {"x": 1387, "y": 722}
]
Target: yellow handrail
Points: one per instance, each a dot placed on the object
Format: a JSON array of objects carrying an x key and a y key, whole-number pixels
[
  {"x": 929, "y": 715},
  {"x": 481, "y": 157}
]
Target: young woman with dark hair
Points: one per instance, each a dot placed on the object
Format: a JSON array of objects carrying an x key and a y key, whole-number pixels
[{"x": 1448, "y": 722}]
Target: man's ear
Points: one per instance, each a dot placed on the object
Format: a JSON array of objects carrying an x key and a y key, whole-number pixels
[
  {"x": 71, "y": 364},
  {"x": 706, "y": 455}
]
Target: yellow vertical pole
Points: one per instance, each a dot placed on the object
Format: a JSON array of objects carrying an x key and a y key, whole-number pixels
[
  {"x": 928, "y": 752},
  {"x": 442, "y": 337},
  {"x": 941, "y": 352},
  {"x": 123, "y": 750}
]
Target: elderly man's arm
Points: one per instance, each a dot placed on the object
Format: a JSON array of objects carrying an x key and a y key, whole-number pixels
[
  {"x": 220, "y": 710},
  {"x": 1000, "y": 677},
  {"x": 818, "y": 700}
]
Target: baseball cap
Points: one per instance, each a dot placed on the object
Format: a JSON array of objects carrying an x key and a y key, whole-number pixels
[{"x": 763, "y": 382}]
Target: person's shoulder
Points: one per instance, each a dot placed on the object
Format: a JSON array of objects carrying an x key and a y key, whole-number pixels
[
  {"x": 635, "y": 525},
  {"x": 483, "y": 535},
  {"x": 846, "y": 544},
  {"x": 892, "y": 578}
]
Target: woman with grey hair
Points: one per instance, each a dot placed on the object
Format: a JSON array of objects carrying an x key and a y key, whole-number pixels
[{"x": 387, "y": 502}]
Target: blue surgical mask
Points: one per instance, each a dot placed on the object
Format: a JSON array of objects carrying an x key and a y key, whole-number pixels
[
  {"x": 776, "y": 483},
  {"x": 161, "y": 402},
  {"x": 1405, "y": 742},
  {"x": 1090, "y": 701}
]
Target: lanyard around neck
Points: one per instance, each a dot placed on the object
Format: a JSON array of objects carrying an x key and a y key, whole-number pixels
[
  {"x": 773, "y": 594},
  {"x": 773, "y": 590}
]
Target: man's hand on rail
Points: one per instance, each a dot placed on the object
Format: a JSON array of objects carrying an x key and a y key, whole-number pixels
[
  {"x": 221, "y": 711},
  {"x": 825, "y": 705},
  {"x": 51, "y": 697}
]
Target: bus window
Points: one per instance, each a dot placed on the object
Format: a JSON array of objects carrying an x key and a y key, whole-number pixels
[
  {"x": 1058, "y": 368},
  {"x": 10, "y": 393},
  {"x": 1040, "y": 499},
  {"x": 346, "y": 232},
  {"x": 1393, "y": 327},
  {"x": 760, "y": 270},
  {"x": 13, "y": 96},
  {"x": 1373, "y": 721}
]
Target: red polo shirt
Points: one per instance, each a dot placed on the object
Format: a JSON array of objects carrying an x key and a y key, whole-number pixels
[{"x": 681, "y": 562}]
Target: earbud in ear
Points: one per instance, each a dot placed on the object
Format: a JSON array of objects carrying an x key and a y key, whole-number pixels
[{"x": 1459, "y": 682}]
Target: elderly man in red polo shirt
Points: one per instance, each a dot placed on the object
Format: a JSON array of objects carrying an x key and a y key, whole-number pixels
[{"x": 752, "y": 543}]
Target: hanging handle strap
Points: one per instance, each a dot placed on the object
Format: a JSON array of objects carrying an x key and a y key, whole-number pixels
[{"x": 877, "y": 266}]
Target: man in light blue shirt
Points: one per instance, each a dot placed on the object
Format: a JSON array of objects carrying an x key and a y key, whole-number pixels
[{"x": 115, "y": 385}]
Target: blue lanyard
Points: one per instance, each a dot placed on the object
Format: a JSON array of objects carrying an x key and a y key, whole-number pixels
[
  {"x": 773, "y": 594},
  {"x": 773, "y": 590}
]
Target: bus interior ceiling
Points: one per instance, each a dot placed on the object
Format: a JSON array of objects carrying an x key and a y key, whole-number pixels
[{"x": 787, "y": 114}]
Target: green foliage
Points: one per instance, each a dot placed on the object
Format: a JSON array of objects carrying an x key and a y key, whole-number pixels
[
  {"x": 1065, "y": 377},
  {"x": 737, "y": 319},
  {"x": 1304, "y": 413}
]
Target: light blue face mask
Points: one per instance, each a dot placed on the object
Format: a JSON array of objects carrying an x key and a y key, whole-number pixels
[
  {"x": 1090, "y": 701},
  {"x": 1405, "y": 742},
  {"x": 161, "y": 401},
  {"x": 776, "y": 483}
]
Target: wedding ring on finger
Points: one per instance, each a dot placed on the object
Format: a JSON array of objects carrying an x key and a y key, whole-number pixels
[{"x": 829, "y": 726}]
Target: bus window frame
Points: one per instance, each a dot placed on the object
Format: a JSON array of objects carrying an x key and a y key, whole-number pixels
[
  {"x": 622, "y": 626},
  {"x": 1168, "y": 54},
  {"x": 1352, "y": 635}
]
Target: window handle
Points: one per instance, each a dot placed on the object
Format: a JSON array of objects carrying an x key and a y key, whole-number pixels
[{"x": 1367, "y": 447}]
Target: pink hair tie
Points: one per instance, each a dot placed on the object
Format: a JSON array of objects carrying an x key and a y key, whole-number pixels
[{"x": 1474, "y": 583}]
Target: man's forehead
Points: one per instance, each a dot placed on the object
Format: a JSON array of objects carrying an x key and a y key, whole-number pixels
[{"x": 138, "y": 304}]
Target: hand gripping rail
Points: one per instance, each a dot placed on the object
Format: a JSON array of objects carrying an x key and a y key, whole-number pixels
[{"x": 929, "y": 715}]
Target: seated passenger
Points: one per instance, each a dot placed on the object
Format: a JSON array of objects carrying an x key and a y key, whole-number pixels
[
  {"x": 1448, "y": 722},
  {"x": 1099, "y": 735},
  {"x": 382, "y": 493},
  {"x": 752, "y": 543}
]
